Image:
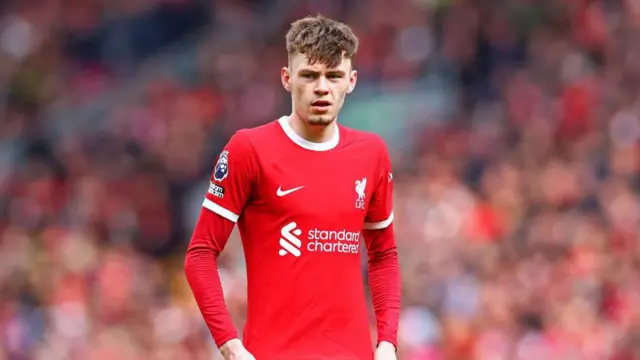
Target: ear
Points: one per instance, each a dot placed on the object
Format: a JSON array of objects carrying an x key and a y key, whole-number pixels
[
  {"x": 285, "y": 77},
  {"x": 353, "y": 78}
]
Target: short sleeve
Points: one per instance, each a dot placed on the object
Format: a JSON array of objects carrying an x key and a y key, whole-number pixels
[
  {"x": 232, "y": 178},
  {"x": 380, "y": 210}
]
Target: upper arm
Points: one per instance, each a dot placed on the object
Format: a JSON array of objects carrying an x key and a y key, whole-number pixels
[{"x": 232, "y": 178}]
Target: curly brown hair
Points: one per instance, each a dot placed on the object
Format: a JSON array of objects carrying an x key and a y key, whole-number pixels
[{"x": 321, "y": 39}]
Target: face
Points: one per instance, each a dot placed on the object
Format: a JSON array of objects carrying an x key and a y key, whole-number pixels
[{"x": 317, "y": 91}]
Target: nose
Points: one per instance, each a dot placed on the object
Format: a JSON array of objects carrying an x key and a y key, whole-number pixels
[{"x": 322, "y": 86}]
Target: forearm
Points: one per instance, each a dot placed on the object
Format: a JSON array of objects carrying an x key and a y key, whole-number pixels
[
  {"x": 385, "y": 283},
  {"x": 201, "y": 270}
]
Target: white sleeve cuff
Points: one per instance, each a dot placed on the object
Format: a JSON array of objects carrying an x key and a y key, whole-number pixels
[
  {"x": 379, "y": 225},
  {"x": 220, "y": 210}
]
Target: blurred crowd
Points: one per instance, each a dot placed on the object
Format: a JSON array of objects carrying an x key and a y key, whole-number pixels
[{"x": 517, "y": 218}]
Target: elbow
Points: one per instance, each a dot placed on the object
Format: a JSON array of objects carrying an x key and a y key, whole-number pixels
[
  {"x": 390, "y": 253},
  {"x": 197, "y": 259},
  {"x": 386, "y": 256},
  {"x": 188, "y": 266}
]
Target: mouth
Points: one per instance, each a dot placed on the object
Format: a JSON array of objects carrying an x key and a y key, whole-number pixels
[{"x": 321, "y": 103}]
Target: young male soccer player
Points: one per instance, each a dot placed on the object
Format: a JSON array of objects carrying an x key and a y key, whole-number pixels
[{"x": 303, "y": 189}]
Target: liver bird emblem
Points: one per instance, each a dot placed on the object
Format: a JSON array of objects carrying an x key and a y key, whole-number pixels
[{"x": 360, "y": 188}]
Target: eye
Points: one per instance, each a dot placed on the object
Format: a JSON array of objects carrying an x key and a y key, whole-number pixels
[{"x": 334, "y": 76}]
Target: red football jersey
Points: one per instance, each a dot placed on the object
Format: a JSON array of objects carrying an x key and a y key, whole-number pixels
[{"x": 300, "y": 208}]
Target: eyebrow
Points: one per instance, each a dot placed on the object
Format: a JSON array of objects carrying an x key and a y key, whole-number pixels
[{"x": 331, "y": 71}]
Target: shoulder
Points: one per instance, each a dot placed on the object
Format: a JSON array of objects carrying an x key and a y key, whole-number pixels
[
  {"x": 259, "y": 134},
  {"x": 370, "y": 143},
  {"x": 370, "y": 140},
  {"x": 247, "y": 139}
]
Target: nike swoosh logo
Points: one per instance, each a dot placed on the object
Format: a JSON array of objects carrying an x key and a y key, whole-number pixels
[{"x": 287, "y": 192}]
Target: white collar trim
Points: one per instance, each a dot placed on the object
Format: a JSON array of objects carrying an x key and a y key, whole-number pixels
[{"x": 314, "y": 146}]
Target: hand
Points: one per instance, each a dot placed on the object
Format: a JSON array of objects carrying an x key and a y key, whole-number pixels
[
  {"x": 385, "y": 351},
  {"x": 235, "y": 350}
]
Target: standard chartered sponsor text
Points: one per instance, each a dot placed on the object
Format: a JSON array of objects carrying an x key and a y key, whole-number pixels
[{"x": 333, "y": 241}]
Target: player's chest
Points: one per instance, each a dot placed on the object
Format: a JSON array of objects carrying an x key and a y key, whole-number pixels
[{"x": 339, "y": 187}]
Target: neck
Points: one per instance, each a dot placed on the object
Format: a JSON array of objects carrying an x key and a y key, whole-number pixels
[{"x": 316, "y": 134}]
